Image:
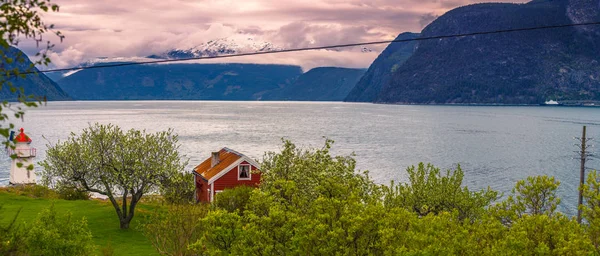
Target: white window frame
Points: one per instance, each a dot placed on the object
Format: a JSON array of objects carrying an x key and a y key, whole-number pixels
[{"x": 249, "y": 171}]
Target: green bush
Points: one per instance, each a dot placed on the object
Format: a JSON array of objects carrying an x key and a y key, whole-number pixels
[
  {"x": 69, "y": 192},
  {"x": 234, "y": 199},
  {"x": 53, "y": 234},
  {"x": 172, "y": 231}
]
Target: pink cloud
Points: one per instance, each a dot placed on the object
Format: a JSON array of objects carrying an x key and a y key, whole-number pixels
[{"x": 113, "y": 28}]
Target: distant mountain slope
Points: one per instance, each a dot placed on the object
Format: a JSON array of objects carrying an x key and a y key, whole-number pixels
[
  {"x": 517, "y": 68},
  {"x": 36, "y": 84},
  {"x": 381, "y": 70},
  {"x": 179, "y": 81},
  {"x": 219, "y": 46},
  {"x": 319, "y": 84}
]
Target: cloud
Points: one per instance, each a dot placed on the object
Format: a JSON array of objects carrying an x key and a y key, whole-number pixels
[
  {"x": 427, "y": 18},
  {"x": 113, "y": 28}
]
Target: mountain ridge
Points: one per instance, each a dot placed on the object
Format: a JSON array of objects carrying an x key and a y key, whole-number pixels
[
  {"x": 509, "y": 68},
  {"x": 179, "y": 81},
  {"x": 382, "y": 68},
  {"x": 319, "y": 84},
  {"x": 37, "y": 84}
]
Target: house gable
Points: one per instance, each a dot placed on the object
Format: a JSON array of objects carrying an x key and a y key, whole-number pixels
[
  {"x": 212, "y": 177},
  {"x": 234, "y": 167}
]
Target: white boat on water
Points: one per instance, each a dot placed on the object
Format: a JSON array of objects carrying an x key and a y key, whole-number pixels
[{"x": 551, "y": 102}]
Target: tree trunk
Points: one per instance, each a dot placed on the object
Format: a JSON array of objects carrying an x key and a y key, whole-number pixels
[
  {"x": 124, "y": 224},
  {"x": 126, "y": 217}
]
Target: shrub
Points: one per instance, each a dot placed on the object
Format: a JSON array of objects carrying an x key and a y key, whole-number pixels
[
  {"x": 172, "y": 231},
  {"x": 234, "y": 199},
  {"x": 34, "y": 191},
  {"x": 53, "y": 234},
  {"x": 70, "y": 192}
]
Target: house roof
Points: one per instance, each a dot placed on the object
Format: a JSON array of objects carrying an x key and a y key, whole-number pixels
[{"x": 226, "y": 158}]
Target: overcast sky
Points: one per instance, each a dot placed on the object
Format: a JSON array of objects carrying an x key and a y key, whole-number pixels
[{"x": 127, "y": 28}]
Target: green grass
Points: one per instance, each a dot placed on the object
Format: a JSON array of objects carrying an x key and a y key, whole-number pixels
[{"x": 101, "y": 217}]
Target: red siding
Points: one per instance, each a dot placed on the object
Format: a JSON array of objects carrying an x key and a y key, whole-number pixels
[
  {"x": 230, "y": 179},
  {"x": 202, "y": 187}
]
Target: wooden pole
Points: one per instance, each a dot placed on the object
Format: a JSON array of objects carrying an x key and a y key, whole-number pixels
[{"x": 581, "y": 175}]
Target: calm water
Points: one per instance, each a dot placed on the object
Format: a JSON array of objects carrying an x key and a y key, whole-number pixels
[{"x": 496, "y": 146}]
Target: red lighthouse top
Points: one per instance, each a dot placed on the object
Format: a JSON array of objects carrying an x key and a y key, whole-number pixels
[{"x": 22, "y": 137}]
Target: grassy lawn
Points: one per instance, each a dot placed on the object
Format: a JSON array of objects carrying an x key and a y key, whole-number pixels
[{"x": 101, "y": 217}]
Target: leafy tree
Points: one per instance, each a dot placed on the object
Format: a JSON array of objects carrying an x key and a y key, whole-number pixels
[
  {"x": 21, "y": 20},
  {"x": 533, "y": 196},
  {"x": 53, "y": 234},
  {"x": 120, "y": 165},
  {"x": 542, "y": 234},
  {"x": 297, "y": 177},
  {"x": 312, "y": 203},
  {"x": 591, "y": 211},
  {"x": 172, "y": 231},
  {"x": 431, "y": 192},
  {"x": 178, "y": 188},
  {"x": 222, "y": 232}
]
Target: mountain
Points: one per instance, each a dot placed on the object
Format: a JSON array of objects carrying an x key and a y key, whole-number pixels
[
  {"x": 58, "y": 75},
  {"x": 221, "y": 46},
  {"x": 525, "y": 67},
  {"x": 319, "y": 84},
  {"x": 381, "y": 70},
  {"x": 37, "y": 84},
  {"x": 179, "y": 82}
]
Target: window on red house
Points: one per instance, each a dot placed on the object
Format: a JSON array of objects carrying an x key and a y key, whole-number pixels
[{"x": 244, "y": 172}]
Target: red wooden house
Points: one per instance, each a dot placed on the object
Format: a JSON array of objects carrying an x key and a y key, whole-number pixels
[{"x": 224, "y": 169}]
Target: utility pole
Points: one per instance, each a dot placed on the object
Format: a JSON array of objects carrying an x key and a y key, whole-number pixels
[{"x": 581, "y": 174}]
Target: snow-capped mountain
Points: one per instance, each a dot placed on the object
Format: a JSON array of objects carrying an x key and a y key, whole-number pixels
[{"x": 222, "y": 46}]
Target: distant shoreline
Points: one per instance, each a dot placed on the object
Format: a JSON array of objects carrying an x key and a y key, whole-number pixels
[
  {"x": 488, "y": 104},
  {"x": 596, "y": 104}
]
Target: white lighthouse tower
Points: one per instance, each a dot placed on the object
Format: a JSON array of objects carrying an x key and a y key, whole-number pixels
[{"x": 19, "y": 175}]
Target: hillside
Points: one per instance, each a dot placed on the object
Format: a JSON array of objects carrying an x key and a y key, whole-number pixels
[
  {"x": 319, "y": 84},
  {"x": 509, "y": 68},
  {"x": 36, "y": 84},
  {"x": 179, "y": 82},
  {"x": 381, "y": 70}
]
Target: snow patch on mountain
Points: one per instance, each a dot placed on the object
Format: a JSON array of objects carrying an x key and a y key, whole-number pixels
[{"x": 223, "y": 46}]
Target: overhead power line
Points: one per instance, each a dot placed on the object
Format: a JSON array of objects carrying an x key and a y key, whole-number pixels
[{"x": 318, "y": 47}]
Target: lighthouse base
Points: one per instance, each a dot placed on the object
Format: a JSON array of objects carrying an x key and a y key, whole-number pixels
[{"x": 20, "y": 175}]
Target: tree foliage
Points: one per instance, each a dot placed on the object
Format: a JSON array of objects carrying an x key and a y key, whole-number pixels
[
  {"x": 121, "y": 165},
  {"x": 171, "y": 231},
  {"x": 313, "y": 203},
  {"x": 533, "y": 196},
  {"x": 591, "y": 210},
  {"x": 234, "y": 199},
  {"x": 179, "y": 188},
  {"x": 21, "y": 20},
  {"x": 431, "y": 192}
]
